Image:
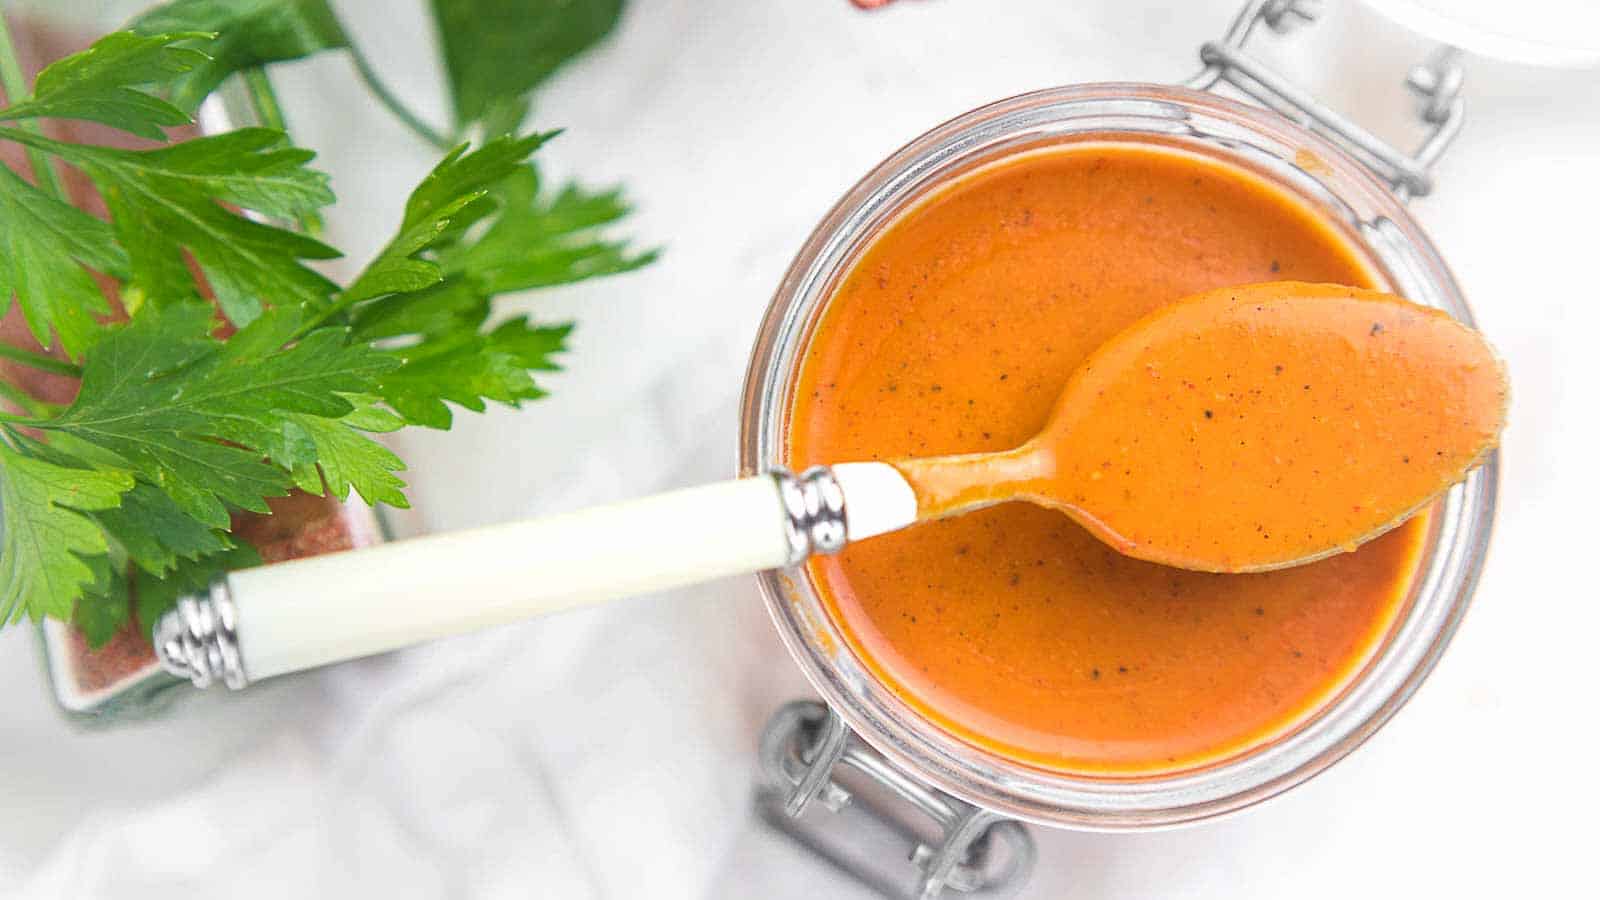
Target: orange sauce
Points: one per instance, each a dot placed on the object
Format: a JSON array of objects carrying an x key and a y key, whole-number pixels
[{"x": 1012, "y": 627}]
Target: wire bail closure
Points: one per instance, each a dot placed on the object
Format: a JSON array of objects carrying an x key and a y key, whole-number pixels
[
  {"x": 1436, "y": 82},
  {"x": 951, "y": 845}
]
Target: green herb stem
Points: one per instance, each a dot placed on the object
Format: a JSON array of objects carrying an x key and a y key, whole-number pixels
[
  {"x": 264, "y": 99},
  {"x": 16, "y": 88},
  {"x": 411, "y": 120},
  {"x": 39, "y": 361}
]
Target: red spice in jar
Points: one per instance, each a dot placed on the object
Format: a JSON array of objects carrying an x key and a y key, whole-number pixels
[
  {"x": 300, "y": 525},
  {"x": 126, "y": 653}
]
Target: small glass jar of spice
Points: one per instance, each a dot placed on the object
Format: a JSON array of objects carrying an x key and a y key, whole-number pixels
[{"x": 121, "y": 678}]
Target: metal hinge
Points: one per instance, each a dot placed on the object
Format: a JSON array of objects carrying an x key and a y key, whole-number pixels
[
  {"x": 811, "y": 759},
  {"x": 1436, "y": 82}
]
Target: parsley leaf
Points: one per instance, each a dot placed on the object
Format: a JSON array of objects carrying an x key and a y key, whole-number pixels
[
  {"x": 156, "y": 533},
  {"x": 469, "y": 368},
  {"x": 496, "y": 51},
  {"x": 166, "y": 201},
  {"x": 345, "y": 458},
  {"x": 451, "y": 305},
  {"x": 98, "y": 83},
  {"x": 194, "y": 415},
  {"x": 49, "y": 540},
  {"x": 478, "y": 226},
  {"x": 536, "y": 242},
  {"x": 46, "y": 243},
  {"x": 103, "y": 616},
  {"x": 465, "y": 369},
  {"x": 248, "y": 33},
  {"x": 154, "y": 596},
  {"x": 445, "y": 204},
  {"x": 531, "y": 345}
]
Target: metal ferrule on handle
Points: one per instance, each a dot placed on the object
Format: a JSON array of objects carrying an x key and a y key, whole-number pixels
[
  {"x": 295, "y": 615},
  {"x": 196, "y": 640}
]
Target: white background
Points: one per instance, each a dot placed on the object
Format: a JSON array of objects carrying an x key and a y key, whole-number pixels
[{"x": 609, "y": 754}]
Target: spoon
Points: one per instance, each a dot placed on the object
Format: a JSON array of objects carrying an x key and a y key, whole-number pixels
[{"x": 1239, "y": 430}]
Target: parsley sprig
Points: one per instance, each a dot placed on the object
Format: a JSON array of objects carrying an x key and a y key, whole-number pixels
[{"x": 226, "y": 368}]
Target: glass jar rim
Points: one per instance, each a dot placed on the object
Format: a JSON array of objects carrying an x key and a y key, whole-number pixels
[{"x": 1445, "y": 580}]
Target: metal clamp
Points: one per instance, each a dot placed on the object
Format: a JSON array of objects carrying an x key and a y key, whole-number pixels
[
  {"x": 806, "y": 749},
  {"x": 198, "y": 640},
  {"x": 1436, "y": 82},
  {"x": 814, "y": 516}
]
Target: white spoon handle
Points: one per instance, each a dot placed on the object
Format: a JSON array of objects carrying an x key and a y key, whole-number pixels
[{"x": 295, "y": 615}]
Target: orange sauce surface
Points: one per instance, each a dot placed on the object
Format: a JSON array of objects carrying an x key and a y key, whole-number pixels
[{"x": 1013, "y": 627}]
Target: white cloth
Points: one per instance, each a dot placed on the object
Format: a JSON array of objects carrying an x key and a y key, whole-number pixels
[{"x": 609, "y": 754}]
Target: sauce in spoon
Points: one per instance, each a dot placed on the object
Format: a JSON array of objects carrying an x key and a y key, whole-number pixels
[{"x": 1250, "y": 428}]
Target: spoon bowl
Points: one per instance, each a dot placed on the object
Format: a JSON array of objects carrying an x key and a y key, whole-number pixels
[{"x": 1249, "y": 429}]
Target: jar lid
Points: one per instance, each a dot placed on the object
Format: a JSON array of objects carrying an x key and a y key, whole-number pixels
[{"x": 1560, "y": 33}]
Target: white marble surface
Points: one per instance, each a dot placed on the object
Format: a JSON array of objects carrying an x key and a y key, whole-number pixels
[{"x": 609, "y": 754}]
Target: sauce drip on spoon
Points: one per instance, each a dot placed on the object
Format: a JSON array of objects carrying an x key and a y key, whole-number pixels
[{"x": 1248, "y": 429}]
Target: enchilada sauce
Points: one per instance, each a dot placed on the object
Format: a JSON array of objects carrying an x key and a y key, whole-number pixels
[{"x": 1013, "y": 627}]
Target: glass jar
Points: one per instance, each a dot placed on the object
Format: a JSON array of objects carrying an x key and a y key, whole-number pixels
[
  {"x": 1322, "y": 174},
  {"x": 122, "y": 680}
]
